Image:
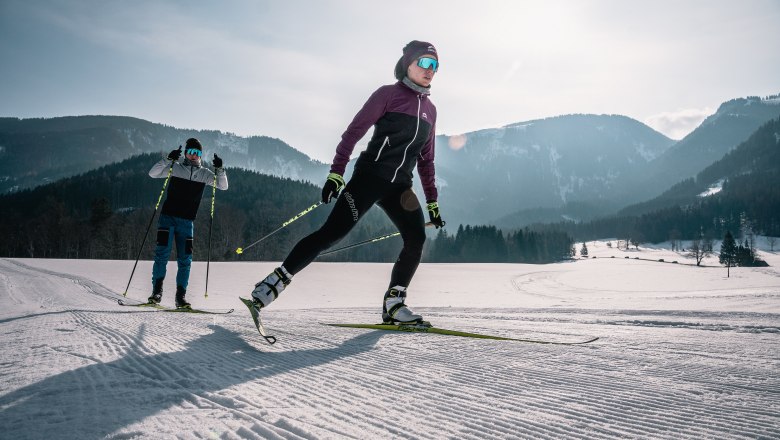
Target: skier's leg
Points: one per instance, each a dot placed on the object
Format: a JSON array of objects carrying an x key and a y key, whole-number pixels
[
  {"x": 183, "y": 235},
  {"x": 162, "y": 252},
  {"x": 355, "y": 200},
  {"x": 405, "y": 212},
  {"x": 184, "y": 247},
  {"x": 357, "y": 197}
]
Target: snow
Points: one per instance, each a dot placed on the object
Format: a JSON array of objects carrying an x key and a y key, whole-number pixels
[
  {"x": 684, "y": 352},
  {"x": 713, "y": 189}
]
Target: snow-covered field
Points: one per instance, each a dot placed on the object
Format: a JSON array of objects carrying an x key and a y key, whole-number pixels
[{"x": 684, "y": 352}]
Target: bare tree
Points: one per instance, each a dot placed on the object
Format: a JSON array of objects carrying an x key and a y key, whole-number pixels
[
  {"x": 771, "y": 241},
  {"x": 700, "y": 250}
]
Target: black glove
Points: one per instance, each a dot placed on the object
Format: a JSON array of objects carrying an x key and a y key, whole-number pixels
[
  {"x": 174, "y": 155},
  {"x": 433, "y": 214},
  {"x": 217, "y": 161},
  {"x": 333, "y": 186}
]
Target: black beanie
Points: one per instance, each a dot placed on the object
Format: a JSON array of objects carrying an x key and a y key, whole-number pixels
[
  {"x": 194, "y": 143},
  {"x": 415, "y": 49}
]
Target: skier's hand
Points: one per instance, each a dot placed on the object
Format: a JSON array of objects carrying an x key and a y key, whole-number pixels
[
  {"x": 333, "y": 187},
  {"x": 174, "y": 155},
  {"x": 433, "y": 214},
  {"x": 217, "y": 161}
]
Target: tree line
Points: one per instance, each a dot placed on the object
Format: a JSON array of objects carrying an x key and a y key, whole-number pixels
[
  {"x": 487, "y": 244},
  {"x": 104, "y": 213}
]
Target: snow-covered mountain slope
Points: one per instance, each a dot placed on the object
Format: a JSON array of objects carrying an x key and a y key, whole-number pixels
[
  {"x": 684, "y": 353},
  {"x": 36, "y": 151},
  {"x": 543, "y": 163}
]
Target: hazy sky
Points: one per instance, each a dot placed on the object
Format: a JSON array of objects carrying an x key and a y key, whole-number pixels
[{"x": 299, "y": 70}]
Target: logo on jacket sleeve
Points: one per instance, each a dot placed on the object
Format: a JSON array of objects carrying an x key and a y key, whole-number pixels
[{"x": 425, "y": 115}]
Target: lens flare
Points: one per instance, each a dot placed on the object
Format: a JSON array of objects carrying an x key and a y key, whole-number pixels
[{"x": 457, "y": 142}]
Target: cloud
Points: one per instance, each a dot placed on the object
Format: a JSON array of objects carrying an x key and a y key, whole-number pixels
[{"x": 680, "y": 123}]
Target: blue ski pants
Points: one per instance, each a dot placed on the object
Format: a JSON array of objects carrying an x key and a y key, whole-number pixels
[{"x": 171, "y": 230}]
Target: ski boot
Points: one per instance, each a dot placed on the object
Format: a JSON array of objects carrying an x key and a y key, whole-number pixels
[
  {"x": 394, "y": 311},
  {"x": 269, "y": 289},
  {"x": 157, "y": 291},
  {"x": 181, "y": 303}
]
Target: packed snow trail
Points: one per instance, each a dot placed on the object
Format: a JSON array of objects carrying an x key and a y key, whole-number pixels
[{"x": 76, "y": 365}]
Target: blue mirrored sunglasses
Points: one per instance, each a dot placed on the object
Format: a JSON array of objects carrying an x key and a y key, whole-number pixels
[
  {"x": 428, "y": 63},
  {"x": 195, "y": 152}
]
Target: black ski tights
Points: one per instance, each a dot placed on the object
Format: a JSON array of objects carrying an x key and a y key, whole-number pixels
[{"x": 363, "y": 191}]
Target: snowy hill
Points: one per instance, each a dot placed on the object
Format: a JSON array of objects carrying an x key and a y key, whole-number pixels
[
  {"x": 754, "y": 164},
  {"x": 684, "y": 353},
  {"x": 542, "y": 164},
  {"x": 720, "y": 133},
  {"x": 37, "y": 151}
]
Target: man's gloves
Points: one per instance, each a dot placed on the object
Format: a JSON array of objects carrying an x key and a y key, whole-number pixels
[
  {"x": 333, "y": 186},
  {"x": 174, "y": 155},
  {"x": 217, "y": 161},
  {"x": 433, "y": 213}
]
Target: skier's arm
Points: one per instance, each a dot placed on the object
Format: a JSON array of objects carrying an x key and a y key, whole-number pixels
[
  {"x": 426, "y": 168},
  {"x": 222, "y": 181},
  {"x": 160, "y": 169},
  {"x": 372, "y": 110}
]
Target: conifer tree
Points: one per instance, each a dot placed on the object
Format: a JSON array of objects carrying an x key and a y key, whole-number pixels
[{"x": 728, "y": 252}]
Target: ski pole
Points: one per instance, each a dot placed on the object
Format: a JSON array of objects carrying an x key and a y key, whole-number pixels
[
  {"x": 370, "y": 240},
  {"x": 211, "y": 223},
  {"x": 284, "y": 225},
  {"x": 140, "y": 249}
]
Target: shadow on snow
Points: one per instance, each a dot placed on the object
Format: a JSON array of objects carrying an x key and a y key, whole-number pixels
[{"x": 90, "y": 402}]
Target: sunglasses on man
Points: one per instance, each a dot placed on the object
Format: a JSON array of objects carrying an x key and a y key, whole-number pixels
[
  {"x": 193, "y": 151},
  {"x": 428, "y": 63}
]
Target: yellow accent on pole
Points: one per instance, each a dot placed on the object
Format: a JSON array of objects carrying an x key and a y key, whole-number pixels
[{"x": 284, "y": 225}]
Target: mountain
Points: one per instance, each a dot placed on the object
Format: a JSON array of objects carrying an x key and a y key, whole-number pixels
[
  {"x": 739, "y": 193},
  {"x": 754, "y": 163},
  {"x": 543, "y": 163},
  {"x": 630, "y": 179},
  {"x": 721, "y": 132},
  {"x": 37, "y": 151},
  {"x": 575, "y": 167}
]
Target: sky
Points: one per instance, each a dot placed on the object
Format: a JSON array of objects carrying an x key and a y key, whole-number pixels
[{"x": 300, "y": 70}]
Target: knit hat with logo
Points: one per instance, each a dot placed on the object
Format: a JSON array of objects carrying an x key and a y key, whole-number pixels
[
  {"x": 412, "y": 51},
  {"x": 193, "y": 143}
]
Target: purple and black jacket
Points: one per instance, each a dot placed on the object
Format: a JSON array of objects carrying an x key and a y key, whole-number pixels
[{"x": 404, "y": 123}]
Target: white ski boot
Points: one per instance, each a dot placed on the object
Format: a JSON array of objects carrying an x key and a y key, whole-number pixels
[
  {"x": 394, "y": 311},
  {"x": 268, "y": 290}
]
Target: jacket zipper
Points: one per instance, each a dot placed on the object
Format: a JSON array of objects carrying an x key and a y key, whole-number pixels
[
  {"x": 386, "y": 142},
  {"x": 416, "y": 130}
]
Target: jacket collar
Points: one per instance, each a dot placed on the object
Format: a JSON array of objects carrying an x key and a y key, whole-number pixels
[
  {"x": 187, "y": 163},
  {"x": 416, "y": 88}
]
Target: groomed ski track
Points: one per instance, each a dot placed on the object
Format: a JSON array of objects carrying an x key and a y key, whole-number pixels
[{"x": 76, "y": 365}]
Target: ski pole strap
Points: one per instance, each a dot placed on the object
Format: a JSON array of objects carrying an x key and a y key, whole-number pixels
[{"x": 284, "y": 225}]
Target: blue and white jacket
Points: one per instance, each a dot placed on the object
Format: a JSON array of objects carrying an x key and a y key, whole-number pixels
[{"x": 185, "y": 189}]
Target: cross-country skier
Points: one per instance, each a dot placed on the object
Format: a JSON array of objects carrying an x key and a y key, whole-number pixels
[
  {"x": 185, "y": 190},
  {"x": 404, "y": 121}
]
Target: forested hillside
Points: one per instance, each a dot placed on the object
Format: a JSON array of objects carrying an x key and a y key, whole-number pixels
[
  {"x": 739, "y": 193},
  {"x": 104, "y": 213}
]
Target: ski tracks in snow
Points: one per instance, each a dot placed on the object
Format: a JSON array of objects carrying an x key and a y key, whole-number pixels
[{"x": 81, "y": 367}]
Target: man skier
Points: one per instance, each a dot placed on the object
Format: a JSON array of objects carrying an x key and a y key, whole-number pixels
[{"x": 185, "y": 190}]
